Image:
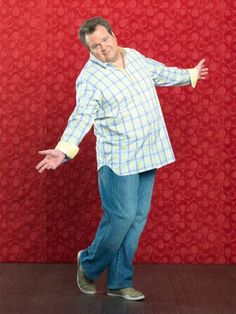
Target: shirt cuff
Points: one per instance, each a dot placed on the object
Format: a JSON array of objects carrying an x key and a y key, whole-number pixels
[
  {"x": 193, "y": 73},
  {"x": 69, "y": 149}
]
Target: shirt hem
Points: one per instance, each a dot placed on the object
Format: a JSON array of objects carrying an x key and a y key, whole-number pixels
[{"x": 114, "y": 169}]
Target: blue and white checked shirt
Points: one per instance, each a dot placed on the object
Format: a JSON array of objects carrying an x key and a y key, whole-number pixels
[{"x": 125, "y": 110}]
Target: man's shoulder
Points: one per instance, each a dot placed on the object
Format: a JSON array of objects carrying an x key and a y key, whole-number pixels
[
  {"x": 89, "y": 68},
  {"x": 88, "y": 72},
  {"x": 134, "y": 56},
  {"x": 132, "y": 51}
]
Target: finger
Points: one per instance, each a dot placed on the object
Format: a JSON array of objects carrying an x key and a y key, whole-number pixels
[
  {"x": 51, "y": 152},
  {"x": 51, "y": 167},
  {"x": 41, "y": 164},
  {"x": 40, "y": 170},
  {"x": 44, "y": 152},
  {"x": 201, "y": 62}
]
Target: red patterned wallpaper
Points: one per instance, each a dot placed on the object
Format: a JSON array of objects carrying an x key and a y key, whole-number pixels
[{"x": 49, "y": 217}]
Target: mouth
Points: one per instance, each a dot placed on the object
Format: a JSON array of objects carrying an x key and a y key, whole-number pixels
[{"x": 106, "y": 53}]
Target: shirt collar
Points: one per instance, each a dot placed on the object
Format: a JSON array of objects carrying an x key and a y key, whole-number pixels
[{"x": 93, "y": 59}]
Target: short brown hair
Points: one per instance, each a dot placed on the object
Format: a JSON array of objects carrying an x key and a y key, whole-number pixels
[{"x": 89, "y": 26}]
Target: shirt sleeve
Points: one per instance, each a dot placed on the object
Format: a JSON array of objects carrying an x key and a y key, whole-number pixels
[
  {"x": 171, "y": 76},
  {"x": 81, "y": 119}
]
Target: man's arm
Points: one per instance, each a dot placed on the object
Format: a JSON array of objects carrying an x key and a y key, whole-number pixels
[
  {"x": 173, "y": 76},
  {"x": 80, "y": 122}
]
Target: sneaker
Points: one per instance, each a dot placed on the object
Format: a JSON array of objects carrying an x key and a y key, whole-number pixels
[
  {"x": 127, "y": 293},
  {"x": 85, "y": 284}
]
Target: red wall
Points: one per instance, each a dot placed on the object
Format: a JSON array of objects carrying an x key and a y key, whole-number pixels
[{"x": 49, "y": 217}]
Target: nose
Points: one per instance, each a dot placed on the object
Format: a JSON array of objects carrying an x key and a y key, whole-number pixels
[{"x": 103, "y": 48}]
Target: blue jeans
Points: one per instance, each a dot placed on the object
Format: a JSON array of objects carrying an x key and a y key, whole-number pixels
[{"x": 126, "y": 203}]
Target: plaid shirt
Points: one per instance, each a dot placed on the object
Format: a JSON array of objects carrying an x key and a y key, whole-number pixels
[{"x": 123, "y": 106}]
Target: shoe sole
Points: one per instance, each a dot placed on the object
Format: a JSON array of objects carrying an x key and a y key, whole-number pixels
[
  {"x": 126, "y": 297},
  {"x": 78, "y": 265}
]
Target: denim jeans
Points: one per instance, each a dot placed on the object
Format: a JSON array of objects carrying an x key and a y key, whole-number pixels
[{"x": 126, "y": 203}]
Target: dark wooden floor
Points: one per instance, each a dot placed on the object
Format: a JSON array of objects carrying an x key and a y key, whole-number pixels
[{"x": 169, "y": 289}]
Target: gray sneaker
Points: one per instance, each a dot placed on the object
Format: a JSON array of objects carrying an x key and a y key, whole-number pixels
[
  {"x": 127, "y": 293},
  {"x": 85, "y": 284}
]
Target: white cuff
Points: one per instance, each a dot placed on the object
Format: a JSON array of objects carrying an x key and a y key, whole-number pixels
[
  {"x": 193, "y": 76},
  {"x": 69, "y": 149}
]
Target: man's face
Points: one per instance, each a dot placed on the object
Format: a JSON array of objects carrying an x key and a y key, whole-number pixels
[{"x": 103, "y": 45}]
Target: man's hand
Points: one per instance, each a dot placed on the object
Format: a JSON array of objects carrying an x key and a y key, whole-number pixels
[
  {"x": 53, "y": 159},
  {"x": 202, "y": 70}
]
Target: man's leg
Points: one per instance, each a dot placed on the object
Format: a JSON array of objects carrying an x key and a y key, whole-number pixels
[
  {"x": 120, "y": 270},
  {"x": 119, "y": 195}
]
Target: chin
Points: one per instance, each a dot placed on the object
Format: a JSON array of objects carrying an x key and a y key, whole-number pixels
[{"x": 110, "y": 59}]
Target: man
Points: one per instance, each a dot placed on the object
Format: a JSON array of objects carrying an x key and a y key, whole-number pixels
[{"x": 115, "y": 91}]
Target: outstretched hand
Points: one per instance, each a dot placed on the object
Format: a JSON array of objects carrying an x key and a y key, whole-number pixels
[
  {"x": 53, "y": 159},
  {"x": 202, "y": 70}
]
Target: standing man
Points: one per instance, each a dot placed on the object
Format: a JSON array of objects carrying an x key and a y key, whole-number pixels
[{"x": 116, "y": 93}]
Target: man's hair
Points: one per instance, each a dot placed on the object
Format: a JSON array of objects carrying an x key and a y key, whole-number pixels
[{"x": 89, "y": 26}]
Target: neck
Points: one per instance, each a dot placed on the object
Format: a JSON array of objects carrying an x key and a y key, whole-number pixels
[{"x": 119, "y": 62}]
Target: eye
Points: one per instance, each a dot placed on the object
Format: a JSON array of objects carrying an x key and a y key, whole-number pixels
[{"x": 105, "y": 39}]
